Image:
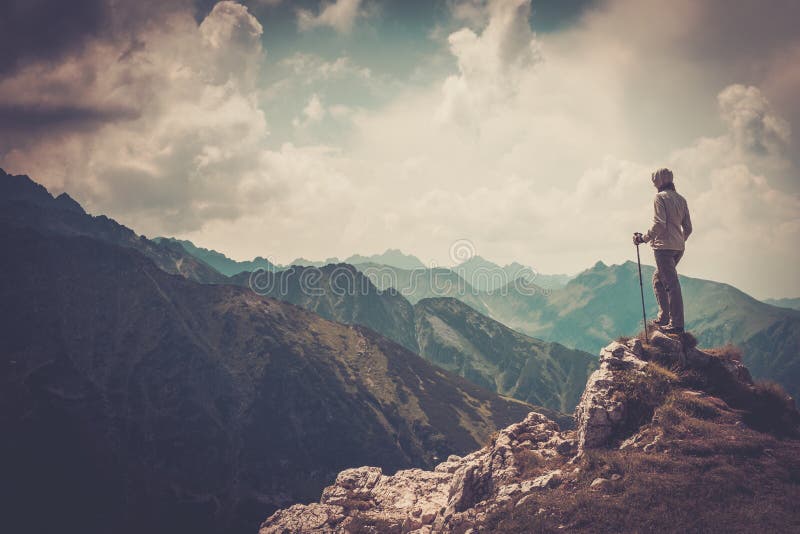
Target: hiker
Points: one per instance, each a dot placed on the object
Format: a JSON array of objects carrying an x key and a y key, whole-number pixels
[{"x": 671, "y": 228}]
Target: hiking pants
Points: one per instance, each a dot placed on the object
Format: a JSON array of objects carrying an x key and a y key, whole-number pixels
[{"x": 667, "y": 287}]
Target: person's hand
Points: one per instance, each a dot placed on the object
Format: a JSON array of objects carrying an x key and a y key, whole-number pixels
[{"x": 638, "y": 238}]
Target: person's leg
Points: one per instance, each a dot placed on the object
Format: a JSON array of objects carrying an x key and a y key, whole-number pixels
[
  {"x": 660, "y": 292},
  {"x": 668, "y": 276},
  {"x": 675, "y": 294}
]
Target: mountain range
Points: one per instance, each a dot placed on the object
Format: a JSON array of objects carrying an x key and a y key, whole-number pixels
[
  {"x": 792, "y": 303},
  {"x": 134, "y": 398},
  {"x": 143, "y": 390},
  {"x": 476, "y": 272},
  {"x": 604, "y": 302},
  {"x": 443, "y": 330},
  {"x": 340, "y": 293},
  {"x": 219, "y": 261},
  {"x": 485, "y": 275}
]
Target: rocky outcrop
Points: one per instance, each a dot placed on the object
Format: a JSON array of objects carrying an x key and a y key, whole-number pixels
[
  {"x": 520, "y": 463},
  {"x": 605, "y": 409},
  {"x": 599, "y": 412},
  {"x": 452, "y": 497}
]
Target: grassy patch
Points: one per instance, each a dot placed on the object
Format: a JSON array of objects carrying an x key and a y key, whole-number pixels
[
  {"x": 529, "y": 462},
  {"x": 772, "y": 410},
  {"x": 669, "y": 493}
]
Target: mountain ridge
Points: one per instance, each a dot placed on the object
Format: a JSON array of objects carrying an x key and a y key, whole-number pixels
[{"x": 25, "y": 203}]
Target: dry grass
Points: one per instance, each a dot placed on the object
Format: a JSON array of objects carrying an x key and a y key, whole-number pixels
[
  {"x": 714, "y": 476},
  {"x": 727, "y": 352},
  {"x": 772, "y": 410},
  {"x": 661, "y": 373},
  {"x": 529, "y": 462}
]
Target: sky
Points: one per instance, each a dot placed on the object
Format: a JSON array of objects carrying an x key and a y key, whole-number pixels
[{"x": 525, "y": 129}]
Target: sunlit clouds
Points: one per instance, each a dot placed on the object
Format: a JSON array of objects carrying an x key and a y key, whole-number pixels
[{"x": 535, "y": 145}]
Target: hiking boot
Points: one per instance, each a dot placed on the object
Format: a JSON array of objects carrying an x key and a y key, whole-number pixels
[
  {"x": 661, "y": 321},
  {"x": 669, "y": 329}
]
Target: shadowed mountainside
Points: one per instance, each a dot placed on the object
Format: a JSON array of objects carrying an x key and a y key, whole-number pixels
[{"x": 139, "y": 401}]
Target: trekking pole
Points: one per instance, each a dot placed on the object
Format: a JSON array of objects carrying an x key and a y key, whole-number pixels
[{"x": 641, "y": 289}]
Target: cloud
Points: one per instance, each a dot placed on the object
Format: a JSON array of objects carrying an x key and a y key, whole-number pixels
[
  {"x": 314, "y": 111},
  {"x": 751, "y": 121},
  {"x": 340, "y": 15},
  {"x": 191, "y": 146},
  {"x": 311, "y": 68},
  {"x": 491, "y": 63},
  {"x": 68, "y": 26},
  {"x": 537, "y": 147}
]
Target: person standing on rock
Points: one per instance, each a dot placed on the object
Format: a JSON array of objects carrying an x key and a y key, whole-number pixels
[{"x": 671, "y": 228}]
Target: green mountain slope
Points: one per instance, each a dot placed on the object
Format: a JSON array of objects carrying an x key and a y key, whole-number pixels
[
  {"x": 456, "y": 337},
  {"x": 604, "y": 302}
]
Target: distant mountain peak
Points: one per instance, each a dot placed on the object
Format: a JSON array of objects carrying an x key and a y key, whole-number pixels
[
  {"x": 392, "y": 257},
  {"x": 27, "y": 204},
  {"x": 66, "y": 202}
]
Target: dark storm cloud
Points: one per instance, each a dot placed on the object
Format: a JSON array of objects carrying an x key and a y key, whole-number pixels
[
  {"x": 38, "y": 37},
  {"x": 21, "y": 120},
  {"x": 47, "y": 29},
  {"x": 743, "y": 29}
]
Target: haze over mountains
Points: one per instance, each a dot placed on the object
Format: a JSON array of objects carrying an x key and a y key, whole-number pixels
[
  {"x": 603, "y": 302},
  {"x": 231, "y": 267},
  {"x": 480, "y": 273}
]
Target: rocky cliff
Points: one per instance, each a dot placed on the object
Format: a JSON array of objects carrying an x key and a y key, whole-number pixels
[{"x": 668, "y": 438}]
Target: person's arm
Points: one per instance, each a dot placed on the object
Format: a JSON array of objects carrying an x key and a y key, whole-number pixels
[
  {"x": 686, "y": 224},
  {"x": 659, "y": 220}
]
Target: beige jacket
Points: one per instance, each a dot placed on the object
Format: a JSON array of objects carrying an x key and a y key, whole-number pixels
[{"x": 671, "y": 222}]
